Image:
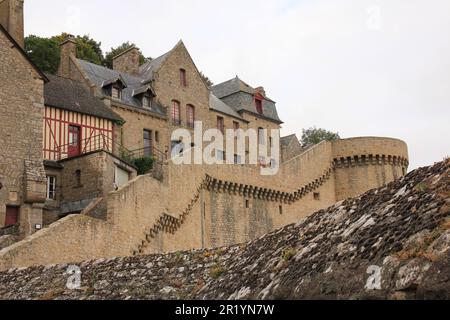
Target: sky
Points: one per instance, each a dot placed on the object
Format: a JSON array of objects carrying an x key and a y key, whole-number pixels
[{"x": 357, "y": 67}]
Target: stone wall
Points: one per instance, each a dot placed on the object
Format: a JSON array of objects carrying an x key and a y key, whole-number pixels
[
  {"x": 87, "y": 177},
  {"x": 168, "y": 88},
  {"x": 21, "y": 113},
  {"x": 131, "y": 135},
  {"x": 366, "y": 163}
]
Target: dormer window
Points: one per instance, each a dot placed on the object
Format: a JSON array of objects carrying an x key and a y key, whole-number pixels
[
  {"x": 258, "y": 104},
  {"x": 183, "y": 80},
  {"x": 144, "y": 95},
  {"x": 116, "y": 93},
  {"x": 146, "y": 102},
  {"x": 113, "y": 87}
]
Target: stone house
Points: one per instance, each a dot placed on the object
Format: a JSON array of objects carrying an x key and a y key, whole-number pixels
[
  {"x": 22, "y": 175},
  {"x": 72, "y": 158}
]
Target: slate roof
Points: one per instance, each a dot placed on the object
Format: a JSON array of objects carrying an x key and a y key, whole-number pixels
[
  {"x": 237, "y": 86},
  {"x": 232, "y": 86},
  {"x": 100, "y": 75},
  {"x": 220, "y": 106},
  {"x": 286, "y": 141},
  {"x": 147, "y": 69},
  {"x": 73, "y": 96}
]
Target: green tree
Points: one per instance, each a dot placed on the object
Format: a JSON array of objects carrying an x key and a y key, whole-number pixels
[
  {"x": 44, "y": 52},
  {"x": 207, "y": 80},
  {"x": 87, "y": 48},
  {"x": 314, "y": 136},
  {"x": 108, "y": 61}
]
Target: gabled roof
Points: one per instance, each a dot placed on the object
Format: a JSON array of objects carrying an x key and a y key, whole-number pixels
[
  {"x": 232, "y": 86},
  {"x": 144, "y": 89},
  {"x": 236, "y": 87},
  {"x": 114, "y": 80},
  {"x": 23, "y": 53},
  {"x": 149, "y": 67},
  {"x": 286, "y": 141},
  {"x": 71, "y": 95},
  {"x": 218, "y": 105},
  {"x": 99, "y": 74}
]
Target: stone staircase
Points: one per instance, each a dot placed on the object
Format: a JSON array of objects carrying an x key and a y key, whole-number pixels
[
  {"x": 168, "y": 223},
  {"x": 171, "y": 224}
]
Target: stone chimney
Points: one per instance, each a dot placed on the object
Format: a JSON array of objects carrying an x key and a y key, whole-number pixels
[
  {"x": 11, "y": 18},
  {"x": 127, "y": 61},
  {"x": 68, "y": 49},
  {"x": 261, "y": 91}
]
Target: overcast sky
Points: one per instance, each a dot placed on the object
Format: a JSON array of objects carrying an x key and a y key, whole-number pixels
[{"x": 358, "y": 67}]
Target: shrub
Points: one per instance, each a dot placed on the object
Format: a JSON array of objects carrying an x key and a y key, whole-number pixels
[
  {"x": 288, "y": 254},
  {"x": 143, "y": 165},
  {"x": 217, "y": 271}
]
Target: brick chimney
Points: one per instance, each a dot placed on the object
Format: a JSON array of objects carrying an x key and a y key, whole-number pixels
[
  {"x": 11, "y": 18},
  {"x": 127, "y": 61},
  {"x": 68, "y": 49}
]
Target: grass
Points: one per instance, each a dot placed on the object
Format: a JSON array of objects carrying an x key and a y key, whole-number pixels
[
  {"x": 217, "y": 271},
  {"x": 422, "y": 250},
  {"x": 288, "y": 254}
]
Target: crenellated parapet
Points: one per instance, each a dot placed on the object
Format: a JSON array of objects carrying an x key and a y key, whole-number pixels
[
  {"x": 371, "y": 159},
  {"x": 366, "y": 163}
]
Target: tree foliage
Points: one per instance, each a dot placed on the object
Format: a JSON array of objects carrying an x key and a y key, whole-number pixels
[
  {"x": 108, "y": 61},
  {"x": 208, "y": 81},
  {"x": 45, "y": 52},
  {"x": 314, "y": 136}
]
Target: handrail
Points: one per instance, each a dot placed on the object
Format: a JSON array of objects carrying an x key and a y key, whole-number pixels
[
  {"x": 149, "y": 151},
  {"x": 99, "y": 142}
]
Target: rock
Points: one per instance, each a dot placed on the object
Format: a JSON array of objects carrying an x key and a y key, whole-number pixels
[{"x": 397, "y": 236}]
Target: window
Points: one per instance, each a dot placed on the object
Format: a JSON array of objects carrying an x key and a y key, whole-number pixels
[
  {"x": 116, "y": 93},
  {"x": 220, "y": 155},
  {"x": 157, "y": 136},
  {"x": 78, "y": 179},
  {"x": 258, "y": 104},
  {"x": 176, "y": 113},
  {"x": 280, "y": 209},
  {"x": 148, "y": 143},
  {"x": 316, "y": 196},
  {"x": 177, "y": 147},
  {"x": 183, "y": 80},
  {"x": 220, "y": 124},
  {"x": 121, "y": 177},
  {"x": 146, "y": 102},
  {"x": 273, "y": 163},
  {"x": 190, "y": 116},
  {"x": 261, "y": 136},
  {"x": 237, "y": 159},
  {"x": 236, "y": 128},
  {"x": 51, "y": 188},
  {"x": 247, "y": 204}
]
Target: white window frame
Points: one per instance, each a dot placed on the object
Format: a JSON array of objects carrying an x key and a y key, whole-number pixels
[{"x": 51, "y": 192}]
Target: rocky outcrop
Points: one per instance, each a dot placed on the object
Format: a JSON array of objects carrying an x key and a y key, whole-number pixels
[{"x": 390, "y": 243}]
